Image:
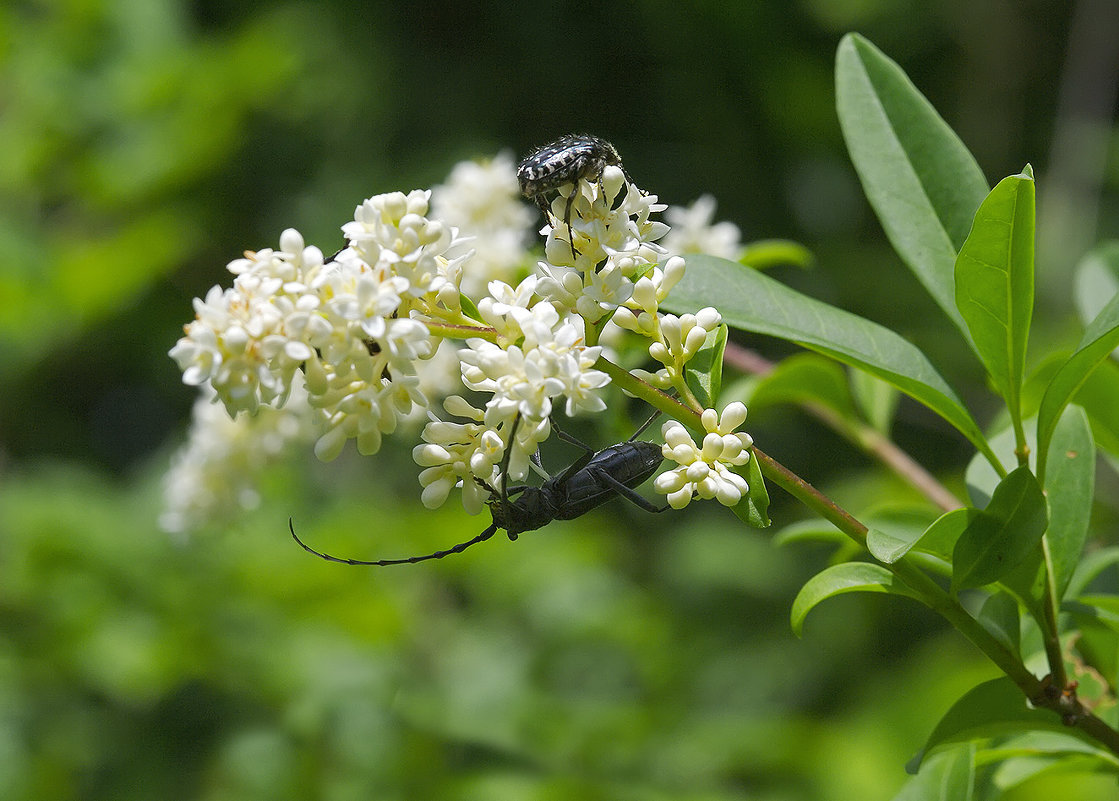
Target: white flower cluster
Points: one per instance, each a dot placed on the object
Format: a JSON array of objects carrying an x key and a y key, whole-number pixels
[
  {"x": 595, "y": 262},
  {"x": 215, "y": 473},
  {"x": 358, "y": 328},
  {"x": 344, "y": 323},
  {"x": 705, "y": 469}
]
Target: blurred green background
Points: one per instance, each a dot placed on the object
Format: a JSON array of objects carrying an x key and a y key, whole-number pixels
[{"x": 145, "y": 143}]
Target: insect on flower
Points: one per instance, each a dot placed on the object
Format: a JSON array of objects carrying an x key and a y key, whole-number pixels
[
  {"x": 565, "y": 161},
  {"x": 587, "y": 483}
]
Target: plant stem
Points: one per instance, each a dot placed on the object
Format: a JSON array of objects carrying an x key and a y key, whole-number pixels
[{"x": 863, "y": 436}]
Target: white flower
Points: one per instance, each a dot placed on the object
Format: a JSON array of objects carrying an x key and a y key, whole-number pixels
[
  {"x": 392, "y": 232},
  {"x": 483, "y": 201},
  {"x": 215, "y": 473},
  {"x": 705, "y": 469},
  {"x": 464, "y": 455},
  {"x": 693, "y": 231},
  {"x": 247, "y": 341},
  {"x": 550, "y": 362},
  {"x": 593, "y": 263},
  {"x": 683, "y": 336}
]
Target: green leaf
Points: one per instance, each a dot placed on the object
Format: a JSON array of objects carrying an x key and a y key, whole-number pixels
[
  {"x": 1091, "y": 567},
  {"x": 705, "y": 370},
  {"x": 844, "y": 578},
  {"x": 995, "y": 283},
  {"x": 938, "y": 539},
  {"x": 981, "y": 478},
  {"x": 813, "y": 530},
  {"x": 1096, "y": 280},
  {"x": 805, "y": 378},
  {"x": 1097, "y": 396},
  {"x": 919, "y": 177},
  {"x": 945, "y": 776},
  {"x": 1026, "y": 581},
  {"x": 1072, "y": 481},
  {"x": 1103, "y": 608},
  {"x": 876, "y": 399},
  {"x": 994, "y": 708},
  {"x": 1003, "y": 535},
  {"x": 999, "y": 615},
  {"x": 753, "y": 510},
  {"x": 766, "y": 253},
  {"x": 1099, "y": 340},
  {"x": 751, "y": 301},
  {"x": 468, "y": 307}
]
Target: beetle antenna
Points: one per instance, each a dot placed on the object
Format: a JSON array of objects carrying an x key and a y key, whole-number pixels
[
  {"x": 411, "y": 560},
  {"x": 643, "y": 426}
]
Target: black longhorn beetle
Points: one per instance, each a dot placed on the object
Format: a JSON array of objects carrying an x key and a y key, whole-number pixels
[
  {"x": 590, "y": 481},
  {"x": 565, "y": 161}
]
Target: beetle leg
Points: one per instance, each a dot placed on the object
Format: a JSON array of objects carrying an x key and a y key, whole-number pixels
[
  {"x": 567, "y": 219},
  {"x": 631, "y": 495}
]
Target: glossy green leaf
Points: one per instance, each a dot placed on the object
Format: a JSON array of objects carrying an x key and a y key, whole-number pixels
[
  {"x": 753, "y": 510},
  {"x": 993, "y": 708},
  {"x": 877, "y": 400},
  {"x": 805, "y": 378},
  {"x": 1003, "y": 535},
  {"x": 921, "y": 180},
  {"x": 765, "y": 253},
  {"x": 995, "y": 283},
  {"x": 938, "y": 539},
  {"x": 844, "y": 578},
  {"x": 1072, "y": 482},
  {"x": 1096, "y": 280},
  {"x": 1099, "y": 340},
  {"x": 945, "y": 776},
  {"x": 751, "y": 301},
  {"x": 705, "y": 370}
]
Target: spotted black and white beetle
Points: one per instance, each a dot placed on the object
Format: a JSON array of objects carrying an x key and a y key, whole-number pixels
[{"x": 565, "y": 161}]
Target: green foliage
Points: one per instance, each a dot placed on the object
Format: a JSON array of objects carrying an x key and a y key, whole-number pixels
[
  {"x": 752, "y": 301},
  {"x": 599, "y": 658},
  {"x": 995, "y": 283},
  {"x": 840, "y": 579},
  {"x": 922, "y": 181}
]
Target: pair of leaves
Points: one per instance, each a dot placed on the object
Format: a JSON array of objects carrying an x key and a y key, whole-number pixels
[
  {"x": 972, "y": 251},
  {"x": 986, "y": 546},
  {"x": 924, "y": 186},
  {"x": 997, "y": 708}
]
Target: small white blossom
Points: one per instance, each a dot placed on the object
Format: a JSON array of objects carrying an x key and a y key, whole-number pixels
[
  {"x": 247, "y": 341},
  {"x": 592, "y": 263},
  {"x": 683, "y": 336},
  {"x": 694, "y": 232},
  {"x": 483, "y": 201},
  {"x": 551, "y": 361},
  {"x": 215, "y": 472},
  {"x": 704, "y": 469},
  {"x": 393, "y": 232}
]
